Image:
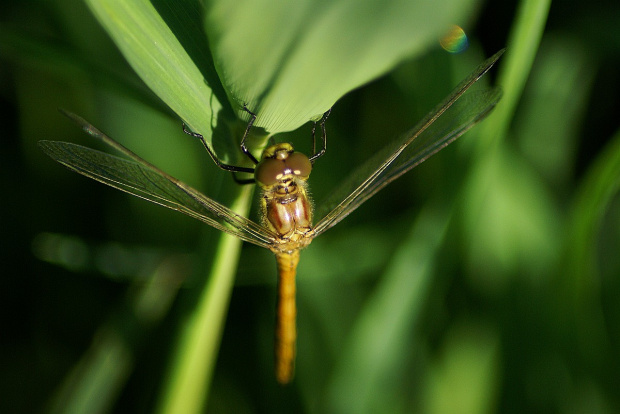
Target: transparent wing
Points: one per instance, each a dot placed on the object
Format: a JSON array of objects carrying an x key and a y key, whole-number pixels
[
  {"x": 142, "y": 179},
  {"x": 448, "y": 121}
]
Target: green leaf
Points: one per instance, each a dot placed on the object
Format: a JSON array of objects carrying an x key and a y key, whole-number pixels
[
  {"x": 157, "y": 56},
  {"x": 188, "y": 383},
  {"x": 525, "y": 36},
  {"x": 290, "y": 61},
  {"x": 592, "y": 200},
  {"x": 380, "y": 338},
  {"x": 507, "y": 214},
  {"x": 509, "y": 221},
  {"x": 463, "y": 379}
]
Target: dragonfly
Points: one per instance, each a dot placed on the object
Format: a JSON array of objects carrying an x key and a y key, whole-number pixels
[{"x": 287, "y": 222}]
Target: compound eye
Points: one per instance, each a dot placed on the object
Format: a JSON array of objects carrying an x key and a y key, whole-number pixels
[
  {"x": 299, "y": 164},
  {"x": 269, "y": 171}
]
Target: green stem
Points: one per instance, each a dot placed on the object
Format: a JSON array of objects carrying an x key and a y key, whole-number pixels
[
  {"x": 515, "y": 67},
  {"x": 190, "y": 375}
]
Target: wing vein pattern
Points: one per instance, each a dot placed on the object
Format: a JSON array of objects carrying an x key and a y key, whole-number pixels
[
  {"x": 142, "y": 179},
  {"x": 448, "y": 121}
]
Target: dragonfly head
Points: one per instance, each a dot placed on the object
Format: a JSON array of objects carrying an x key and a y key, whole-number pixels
[{"x": 280, "y": 162}]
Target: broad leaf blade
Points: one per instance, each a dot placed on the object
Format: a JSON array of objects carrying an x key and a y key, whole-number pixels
[
  {"x": 290, "y": 61},
  {"x": 160, "y": 60}
]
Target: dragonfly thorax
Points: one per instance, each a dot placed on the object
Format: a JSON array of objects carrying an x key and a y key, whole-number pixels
[{"x": 285, "y": 205}]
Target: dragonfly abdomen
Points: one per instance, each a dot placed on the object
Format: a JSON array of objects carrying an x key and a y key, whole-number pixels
[{"x": 286, "y": 313}]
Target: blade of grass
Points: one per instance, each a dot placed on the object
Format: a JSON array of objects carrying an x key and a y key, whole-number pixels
[
  {"x": 156, "y": 55},
  {"x": 523, "y": 44},
  {"x": 499, "y": 185},
  {"x": 94, "y": 383},
  {"x": 592, "y": 199},
  {"x": 580, "y": 297},
  {"x": 375, "y": 348},
  {"x": 463, "y": 378},
  {"x": 188, "y": 382},
  {"x": 159, "y": 59},
  {"x": 39, "y": 52}
]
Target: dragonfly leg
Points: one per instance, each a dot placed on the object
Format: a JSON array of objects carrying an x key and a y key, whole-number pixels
[
  {"x": 320, "y": 153},
  {"x": 244, "y": 149},
  {"x": 220, "y": 164}
]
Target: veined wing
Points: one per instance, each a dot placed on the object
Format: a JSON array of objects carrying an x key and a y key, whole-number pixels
[
  {"x": 448, "y": 121},
  {"x": 142, "y": 179}
]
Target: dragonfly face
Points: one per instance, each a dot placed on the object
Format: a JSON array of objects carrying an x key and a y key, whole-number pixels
[
  {"x": 285, "y": 207},
  {"x": 286, "y": 226}
]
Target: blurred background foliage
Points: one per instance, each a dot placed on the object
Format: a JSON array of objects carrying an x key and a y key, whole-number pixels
[{"x": 485, "y": 281}]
